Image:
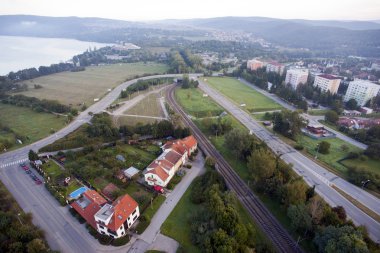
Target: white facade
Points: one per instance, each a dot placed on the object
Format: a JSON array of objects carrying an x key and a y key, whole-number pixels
[
  {"x": 104, "y": 216},
  {"x": 362, "y": 91},
  {"x": 327, "y": 83},
  {"x": 294, "y": 77},
  {"x": 275, "y": 67}
]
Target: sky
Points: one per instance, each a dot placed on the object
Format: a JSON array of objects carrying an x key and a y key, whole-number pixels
[{"x": 140, "y": 10}]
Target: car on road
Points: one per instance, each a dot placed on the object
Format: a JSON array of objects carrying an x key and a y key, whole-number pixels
[
  {"x": 25, "y": 167},
  {"x": 38, "y": 182},
  {"x": 28, "y": 171}
]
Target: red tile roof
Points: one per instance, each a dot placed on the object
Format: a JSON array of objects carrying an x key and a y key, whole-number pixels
[
  {"x": 94, "y": 202},
  {"x": 160, "y": 172},
  {"x": 189, "y": 142},
  {"x": 123, "y": 207}
]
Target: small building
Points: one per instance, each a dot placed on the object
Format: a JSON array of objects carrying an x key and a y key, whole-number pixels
[
  {"x": 131, "y": 172},
  {"x": 120, "y": 175},
  {"x": 366, "y": 110},
  {"x": 351, "y": 113},
  {"x": 109, "y": 190},
  {"x": 114, "y": 219},
  {"x": 316, "y": 129}
]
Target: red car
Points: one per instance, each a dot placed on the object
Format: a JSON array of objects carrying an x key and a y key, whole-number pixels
[{"x": 38, "y": 182}]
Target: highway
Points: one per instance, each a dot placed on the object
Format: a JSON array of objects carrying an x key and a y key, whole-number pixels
[
  {"x": 269, "y": 225},
  {"x": 63, "y": 232},
  {"x": 312, "y": 173},
  {"x": 311, "y": 118}
]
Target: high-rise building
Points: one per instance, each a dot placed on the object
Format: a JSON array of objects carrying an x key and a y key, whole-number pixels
[
  {"x": 327, "y": 83},
  {"x": 254, "y": 64},
  {"x": 275, "y": 67},
  {"x": 296, "y": 76},
  {"x": 362, "y": 91}
]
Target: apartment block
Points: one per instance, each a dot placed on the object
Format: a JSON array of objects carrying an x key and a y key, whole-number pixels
[
  {"x": 275, "y": 67},
  {"x": 362, "y": 91},
  {"x": 294, "y": 77},
  {"x": 254, "y": 64},
  {"x": 327, "y": 83}
]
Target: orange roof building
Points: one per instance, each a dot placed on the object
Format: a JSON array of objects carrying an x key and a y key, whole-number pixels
[
  {"x": 175, "y": 153},
  {"x": 113, "y": 220}
]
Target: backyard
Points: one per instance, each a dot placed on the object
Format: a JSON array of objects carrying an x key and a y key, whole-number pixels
[
  {"x": 84, "y": 86},
  {"x": 242, "y": 94},
  {"x": 25, "y": 122}
]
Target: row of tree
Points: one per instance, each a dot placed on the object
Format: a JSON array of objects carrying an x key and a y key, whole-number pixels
[
  {"x": 38, "y": 104},
  {"x": 143, "y": 85}
]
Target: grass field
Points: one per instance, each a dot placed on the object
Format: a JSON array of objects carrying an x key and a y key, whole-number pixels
[
  {"x": 368, "y": 164},
  {"x": 149, "y": 106},
  {"x": 26, "y": 122},
  {"x": 194, "y": 103},
  {"x": 83, "y": 86},
  {"x": 132, "y": 121},
  {"x": 242, "y": 94}
]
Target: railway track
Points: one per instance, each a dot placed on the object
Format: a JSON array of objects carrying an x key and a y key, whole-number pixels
[{"x": 281, "y": 239}]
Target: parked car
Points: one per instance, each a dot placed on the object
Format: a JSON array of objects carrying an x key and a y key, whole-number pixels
[
  {"x": 158, "y": 189},
  {"x": 28, "y": 171},
  {"x": 38, "y": 182},
  {"x": 25, "y": 167}
]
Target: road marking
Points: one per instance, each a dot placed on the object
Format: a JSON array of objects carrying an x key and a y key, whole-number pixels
[{"x": 13, "y": 163}]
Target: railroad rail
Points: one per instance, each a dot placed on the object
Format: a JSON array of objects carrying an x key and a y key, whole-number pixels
[{"x": 281, "y": 239}]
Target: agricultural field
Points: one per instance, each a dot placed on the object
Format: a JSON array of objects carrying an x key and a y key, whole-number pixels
[
  {"x": 27, "y": 124},
  {"x": 194, "y": 103},
  {"x": 74, "y": 88},
  {"x": 242, "y": 94}
]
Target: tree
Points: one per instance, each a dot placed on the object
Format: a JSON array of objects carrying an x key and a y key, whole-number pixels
[
  {"x": 33, "y": 156},
  {"x": 295, "y": 193},
  {"x": 332, "y": 117},
  {"x": 239, "y": 142},
  {"x": 352, "y": 104},
  {"x": 315, "y": 207},
  {"x": 340, "y": 240},
  {"x": 288, "y": 123},
  {"x": 323, "y": 147},
  {"x": 373, "y": 151},
  {"x": 261, "y": 164},
  {"x": 299, "y": 217},
  {"x": 37, "y": 246},
  {"x": 339, "y": 210}
]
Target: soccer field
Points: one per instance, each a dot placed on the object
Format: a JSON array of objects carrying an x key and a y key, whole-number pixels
[{"x": 74, "y": 88}]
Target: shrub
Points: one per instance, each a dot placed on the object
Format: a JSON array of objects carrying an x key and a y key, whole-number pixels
[
  {"x": 120, "y": 241},
  {"x": 298, "y": 147}
]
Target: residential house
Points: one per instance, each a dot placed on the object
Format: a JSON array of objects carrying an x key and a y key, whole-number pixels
[
  {"x": 175, "y": 154},
  {"x": 113, "y": 220},
  {"x": 88, "y": 204}
]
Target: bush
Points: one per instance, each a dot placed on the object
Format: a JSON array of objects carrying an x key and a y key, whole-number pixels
[
  {"x": 353, "y": 155},
  {"x": 298, "y": 147},
  {"x": 104, "y": 239},
  {"x": 324, "y": 147},
  {"x": 140, "y": 228},
  {"x": 188, "y": 166},
  {"x": 120, "y": 241}
]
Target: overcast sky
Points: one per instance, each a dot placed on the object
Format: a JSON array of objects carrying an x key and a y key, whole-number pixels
[{"x": 168, "y": 9}]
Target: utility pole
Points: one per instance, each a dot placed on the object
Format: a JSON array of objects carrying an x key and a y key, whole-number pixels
[{"x": 316, "y": 155}]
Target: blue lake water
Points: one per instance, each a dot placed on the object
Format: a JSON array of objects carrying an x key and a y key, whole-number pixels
[{"x": 18, "y": 53}]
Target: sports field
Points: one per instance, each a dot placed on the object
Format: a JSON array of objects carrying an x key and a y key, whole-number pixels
[
  {"x": 242, "y": 94},
  {"x": 27, "y": 123},
  {"x": 84, "y": 86}
]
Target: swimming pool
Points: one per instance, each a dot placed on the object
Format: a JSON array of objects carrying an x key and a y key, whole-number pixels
[{"x": 75, "y": 194}]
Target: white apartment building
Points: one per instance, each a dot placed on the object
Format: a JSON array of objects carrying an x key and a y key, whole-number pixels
[
  {"x": 362, "y": 91},
  {"x": 296, "y": 76},
  {"x": 113, "y": 220},
  {"x": 254, "y": 64},
  {"x": 275, "y": 67},
  {"x": 327, "y": 83}
]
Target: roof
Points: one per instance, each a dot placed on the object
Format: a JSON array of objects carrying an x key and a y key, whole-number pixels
[
  {"x": 189, "y": 141},
  {"x": 327, "y": 76},
  {"x": 131, "y": 171},
  {"x": 123, "y": 207},
  {"x": 159, "y": 171},
  {"x": 274, "y": 63},
  {"x": 120, "y": 158},
  {"x": 88, "y": 205},
  {"x": 109, "y": 189}
]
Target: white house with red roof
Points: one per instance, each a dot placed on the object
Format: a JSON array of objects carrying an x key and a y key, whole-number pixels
[
  {"x": 113, "y": 220},
  {"x": 175, "y": 153}
]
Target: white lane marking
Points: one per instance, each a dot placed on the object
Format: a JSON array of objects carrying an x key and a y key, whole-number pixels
[{"x": 13, "y": 163}]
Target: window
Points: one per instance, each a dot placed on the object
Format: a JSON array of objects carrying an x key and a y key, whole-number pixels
[
  {"x": 135, "y": 218},
  {"x": 100, "y": 226},
  {"x": 134, "y": 212}
]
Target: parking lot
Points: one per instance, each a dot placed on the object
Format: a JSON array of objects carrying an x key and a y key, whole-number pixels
[{"x": 33, "y": 176}]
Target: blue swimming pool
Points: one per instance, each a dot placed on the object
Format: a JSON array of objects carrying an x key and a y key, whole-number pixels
[{"x": 75, "y": 194}]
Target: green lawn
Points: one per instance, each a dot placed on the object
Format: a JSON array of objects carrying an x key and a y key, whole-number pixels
[
  {"x": 242, "y": 94},
  {"x": 83, "y": 86},
  {"x": 369, "y": 164},
  {"x": 132, "y": 120},
  {"x": 52, "y": 169},
  {"x": 194, "y": 103},
  {"x": 149, "y": 106},
  {"x": 317, "y": 112},
  {"x": 28, "y": 123},
  {"x": 177, "y": 224}
]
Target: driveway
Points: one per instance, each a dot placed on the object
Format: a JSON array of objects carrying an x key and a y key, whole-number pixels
[{"x": 151, "y": 234}]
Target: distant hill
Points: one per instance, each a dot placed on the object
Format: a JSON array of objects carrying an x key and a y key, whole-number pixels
[
  {"x": 341, "y": 37},
  {"x": 329, "y": 37}
]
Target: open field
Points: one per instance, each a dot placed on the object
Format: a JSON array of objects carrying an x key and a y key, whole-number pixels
[
  {"x": 149, "y": 106},
  {"x": 242, "y": 94},
  {"x": 83, "y": 86},
  {"x": 368, "y": 164},
  {"x": 28, "y": 123},
  {"x": 132, "y": 121},
  {"x": 195, "y": 104}
]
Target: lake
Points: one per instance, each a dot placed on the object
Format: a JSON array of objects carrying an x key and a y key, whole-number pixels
[{"x": 18, "y": 53}]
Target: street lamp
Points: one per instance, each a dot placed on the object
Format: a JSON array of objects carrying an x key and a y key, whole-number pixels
[
  {"x": 364, "y": 183},
  {"x": 316, "y": 155},
  {"x": 18, "y": 217}
]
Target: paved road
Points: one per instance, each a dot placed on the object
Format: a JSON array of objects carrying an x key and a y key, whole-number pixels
[
  {"x": 309, "y": 170},
  {"x": 150, "y": 234},
  {"x": 63, "y": 232},
  {"x": 306, "y": 116}
]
